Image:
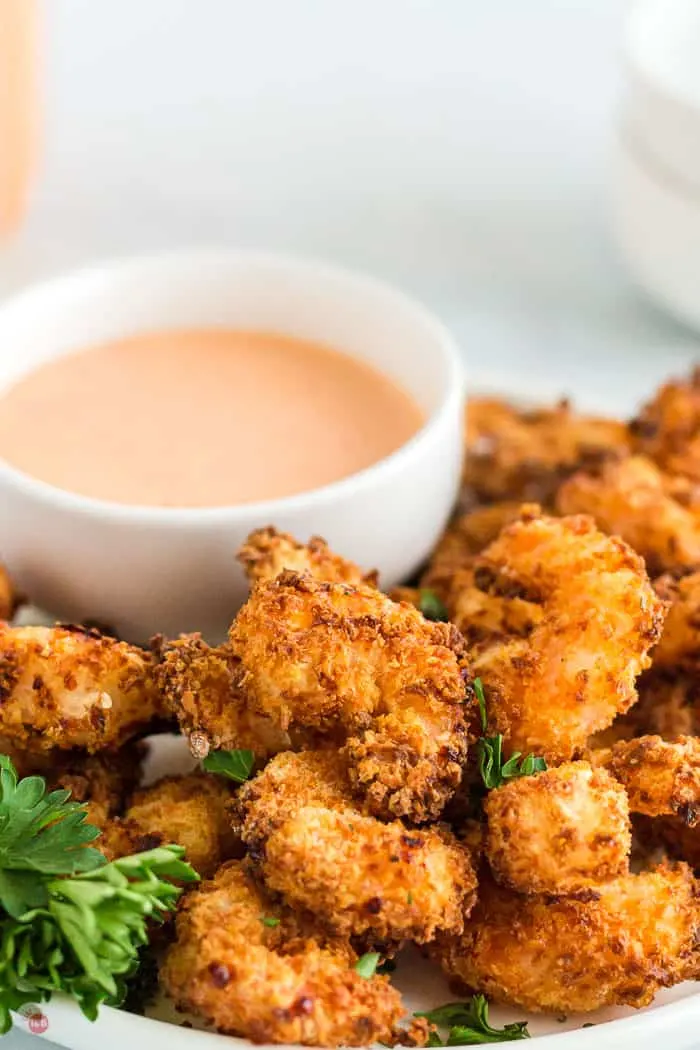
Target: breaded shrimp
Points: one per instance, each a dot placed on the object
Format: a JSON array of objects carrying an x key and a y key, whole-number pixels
[
  {"x": 660, "y": 777},
  {"x": 523, "y": 455},
  {"x": 563, "y": 832},
  {"x": 657, "y": 515},
  {"x": 66, "y": 687},
  {"x": 253, "y": 969},
  {"x": 309, "y": 842},
  {"x": 103, "y": 781},
  {"x": 340, "y": 659},
  {"x": 196, "y": 684},
  {"x": 190, "y": 811},
  {"x": 566, "y": 955},
  {"x": 266, "y": 553},
  {"x": 464, "y": 538},
  {"x": 667, "y": 429},
  {"x": 588, "y": 617},
  {"x": 679, "y": 645}
]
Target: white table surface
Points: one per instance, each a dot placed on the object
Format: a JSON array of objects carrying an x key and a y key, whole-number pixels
[{"x": 458, "y": 148}]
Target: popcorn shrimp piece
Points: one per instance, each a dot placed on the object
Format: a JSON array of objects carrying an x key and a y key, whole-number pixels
[
  {"x": 679, "y": 645},
  {"x": 523, "y": 455},
  {"x": 347, "y": 661},
  {"x": 668, "y": 427},
  {"x": 266, "y": 553},
  {"x": 588, "y": 617},
  {"x": 197, "y": 686},
  {"x": 309, "y": 842},
  {"x": 66, "y": 687},
  {"x": 660, "y": 777},
  {"x": 103, "y": 782},
  {"x": 657, "y": 515},
  {"x": 563, "y": 832},
  {"x": 640, "y": 934},
  {"x": 253, "y": 969}
]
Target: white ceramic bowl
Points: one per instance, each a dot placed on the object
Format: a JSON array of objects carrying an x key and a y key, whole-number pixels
[{"x": 145, "y": 569}]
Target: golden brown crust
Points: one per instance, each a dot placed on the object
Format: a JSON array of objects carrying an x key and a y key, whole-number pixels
[
  {"x": 347, "y": 660},
  {"x": 575, "y": 616},
  {"x": 656, "y": 514},
  {"x": 103, "y": 781},
  {"x": 310, "y": 843},
  {"x": 64, "y": 687},
  {"x": 196, "y": 682},
  {"x": 568, "y": 955},
  {"x": 284, "y": 984},
  {"x": 679, "y": 645},
  {"x": 8, "y": 597},
  {"x": 563, "y": 832},
  {"x": 660, "y": 777},
  {"x": 667, "y": 429},
  {"x": 523, "y": 455},
  {"x": 267, "y": 552}
]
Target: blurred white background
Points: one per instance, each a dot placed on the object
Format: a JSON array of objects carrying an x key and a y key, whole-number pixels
[{"x": 456, "y": 147}]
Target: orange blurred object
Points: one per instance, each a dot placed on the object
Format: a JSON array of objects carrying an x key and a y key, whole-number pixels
[{"x": 18, "y": 107}]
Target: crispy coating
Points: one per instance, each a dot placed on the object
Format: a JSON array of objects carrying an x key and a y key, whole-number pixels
[
  {"x": 679, "y": 645},
  {"x": 587, "y": 616},
  {"x": 103, "y": 781},
  {"x": 266, "y": 553},
  {"x": 563, "y": 832},
  {"x": 309, "y": 842},
  {"x": 65, "y": 687},
  {"x": 342, "y": 659},
  {"x": 667, "y": 429},
  {"x": 8, "y": 597},
  {"x": 189, "y": 811},
  {"x": 567, "y": 955},
  {"x": 464, "y": 538},
  {"x": 523, "y": 455},
  {"x": 196, "y": 682},
  {"x": 656, "y": 514},
  {"x": 284, "y": 983},
  {"x": 661, "y": 777}
]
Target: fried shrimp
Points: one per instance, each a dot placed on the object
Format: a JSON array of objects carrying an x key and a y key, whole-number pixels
[
  {"x": 563, "y": 832},
  {"x": 668, "y": 428},
  {"x": 103, "y": 782},
  {"x": 65, "y": 687},
  {"x": 190, "y": 811},
  {"x": 680, "y": 641},
  {"x": 587, "y": 615},
  {"x": 266, "y": 553},
  {"x": 660, "y": 777},
  {"x": 309, "y": 842},
  {"x": 347, "y": 661},
  {"x": 519, "y": 455},
  {"x": 197, "y": 687},
  {"x": 253, "y": 969},
  {"x": 565, "y": 955},
  {"x": 657, "y": 515}
]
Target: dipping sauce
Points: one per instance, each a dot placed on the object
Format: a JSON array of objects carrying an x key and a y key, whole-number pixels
[{"x": 202, "y": 418}]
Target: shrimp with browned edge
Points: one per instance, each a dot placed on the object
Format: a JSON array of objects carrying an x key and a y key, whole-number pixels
[
  {"x": 267, "y": 552},
  {"x": 67, "y": 687},
  {"x": 587, "y": 617},
  {"x": 563, "y": 832},
  {"x": 639, "y": 933},
  {"x": 310, "y": 843},
  {"x": 348, "y": 662},
  {"x": 661, "y": 777},
  {"x": 253, "y": 968},
  {"x": 667, "y": 429}
]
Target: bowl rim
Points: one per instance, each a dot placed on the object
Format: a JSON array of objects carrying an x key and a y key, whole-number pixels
[
  {"x": 143, "y": 514},
  {"x": 651, "y": 75}
]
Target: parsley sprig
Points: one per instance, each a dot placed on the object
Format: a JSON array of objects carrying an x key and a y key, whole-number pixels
[
  {"x": 468, "y": 1025},
  {"x": 70, "y": 922},
  {"x": 494, "y": 770},
  {"x": 236, "y": 765},
  {"x": 432, "y": 607}
]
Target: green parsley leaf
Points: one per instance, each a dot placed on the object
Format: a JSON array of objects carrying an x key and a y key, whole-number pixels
[
  {"x": 431, "y": 606},
  {"x": 366, "y": 965},
  {"x": 468, "y": 1024},
  {"x": 269, "y": 920},
  {"x": 236, "y": 765},
  {"x": 85, "y": 941},
  {"x": 479, "y": 692}
]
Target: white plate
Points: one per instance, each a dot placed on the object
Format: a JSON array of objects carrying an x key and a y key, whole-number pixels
[{"x": 674, "y": 1017}]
